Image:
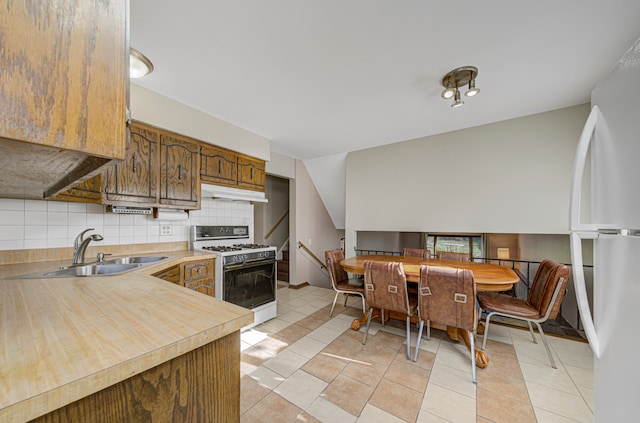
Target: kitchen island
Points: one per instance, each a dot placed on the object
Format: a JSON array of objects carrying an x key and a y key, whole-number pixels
[{"x": 127, "y": 347}]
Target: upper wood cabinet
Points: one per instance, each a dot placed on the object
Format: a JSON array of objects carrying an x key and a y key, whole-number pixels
[
  {"x": 135, "y": 180},
  {"x": 251, "y": 173},
  {"x": 89, "y": 191},
  {"x": 224, "y": 167},
  {"x": 64, "y": 92},
  {"x": 179, "y": 171},
  {"x": 218, "y": 166}
]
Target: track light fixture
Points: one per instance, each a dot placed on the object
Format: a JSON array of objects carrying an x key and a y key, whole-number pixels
[{"x": 459, "y": 77}]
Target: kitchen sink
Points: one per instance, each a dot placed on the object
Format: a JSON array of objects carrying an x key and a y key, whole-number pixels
[
  {"x": 134, "y": 260},
  {"x": 92, "y": 270}
]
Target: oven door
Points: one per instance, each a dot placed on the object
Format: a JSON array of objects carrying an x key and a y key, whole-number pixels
[{"x": 250, "y": 285}]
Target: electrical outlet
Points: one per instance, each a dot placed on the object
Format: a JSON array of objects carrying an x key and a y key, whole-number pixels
[
  {"x": 310, "y": 240},
  {"x": 165, "y": 229}
]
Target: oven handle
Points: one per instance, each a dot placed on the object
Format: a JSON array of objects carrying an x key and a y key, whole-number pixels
[{"x": 247, "y": 264}]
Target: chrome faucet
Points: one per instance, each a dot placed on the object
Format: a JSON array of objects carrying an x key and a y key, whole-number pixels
[{"x": 80, "y": 246}]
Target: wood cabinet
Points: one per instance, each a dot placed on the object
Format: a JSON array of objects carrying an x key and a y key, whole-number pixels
[
  {"x": 172, "y": 274},
  {"x": 135, "y": 180},
  {"x": 64, "y": 93},
  {"x": 197, "y": 275},
  {"x": 202, "y": 385},
  {"x": 160, "y": 169},
  {"x": 89, "y": 191},
  {"x": 179, "y": 171},
  {"x": 218, "y": 166},
  {"x": 251, "y": 173},
  {"x": 227, "y": 168}
]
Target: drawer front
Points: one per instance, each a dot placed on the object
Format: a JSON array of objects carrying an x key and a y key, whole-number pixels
[
  {"x": 204, "y": 286},
  {"x": 193, "y": 270}
]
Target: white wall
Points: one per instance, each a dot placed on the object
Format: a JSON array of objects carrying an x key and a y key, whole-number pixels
[
  {"x": 313, "y": 227},
  {"x": 507, "y": 177},
  {"x": 155, "y": 109},
  {"x": 282, "y": 166},
  {"x": 27, "y": 224}
]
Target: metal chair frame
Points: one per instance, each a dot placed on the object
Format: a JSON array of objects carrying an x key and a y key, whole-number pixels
[
  {"x": 334, "y": 284},
  {"x": 529, "y": 321}
]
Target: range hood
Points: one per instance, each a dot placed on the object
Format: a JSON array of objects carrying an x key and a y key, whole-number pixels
[{"x": 235, "y": 194}]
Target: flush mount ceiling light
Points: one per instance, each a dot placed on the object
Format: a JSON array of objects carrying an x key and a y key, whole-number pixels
[
  {"x": 465, "y": 75},
  {"x": 139, "y": 64}
]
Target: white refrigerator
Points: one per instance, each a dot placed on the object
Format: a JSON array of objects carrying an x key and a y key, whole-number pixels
[{"x": 612, "y": 137}]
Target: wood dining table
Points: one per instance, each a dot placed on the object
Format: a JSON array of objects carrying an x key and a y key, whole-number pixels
[{"x": 487, "y": 276}]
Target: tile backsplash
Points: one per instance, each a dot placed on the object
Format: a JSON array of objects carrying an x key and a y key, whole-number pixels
[{"x": 27, "y": 224}]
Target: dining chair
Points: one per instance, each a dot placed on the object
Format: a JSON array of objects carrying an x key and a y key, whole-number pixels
[
  {"x": 543, "y": 302},
  {"x": 450, "y": 255},
  {"x": 340, "y": 280},
  {"x": 416, "y": 252},
  {"x": 385, "y": 287},
  {"x": 447, "y": 296}
]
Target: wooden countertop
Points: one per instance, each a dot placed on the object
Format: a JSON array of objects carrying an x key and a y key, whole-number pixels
[{"x": 62, "y": 339}]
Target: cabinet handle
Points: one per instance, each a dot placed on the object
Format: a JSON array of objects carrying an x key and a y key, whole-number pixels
[
  {"x": 199, "y": 270},
  {"x": 135, "y": 163},
  {"x": 252, "y": 174},
  {"x": 179, "y": 172},
  {"x": 220, "y": 167}
]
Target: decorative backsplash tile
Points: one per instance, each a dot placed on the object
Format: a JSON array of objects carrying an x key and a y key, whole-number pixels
[{"x": 26, "y": 224}]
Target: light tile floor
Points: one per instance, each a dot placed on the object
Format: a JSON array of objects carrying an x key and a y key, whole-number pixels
[{"x": 303, "y": 366}]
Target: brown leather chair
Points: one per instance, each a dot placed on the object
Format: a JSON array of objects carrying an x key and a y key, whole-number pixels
[
  {"x": 543, "y": 302},
  {"x": 416, "y": 252},
  {"x": 448, "y": 296},
  {"x": 340, "y": 279},
  {"x": 385, "y": 287},
  {"x": 450, "y": 255}
]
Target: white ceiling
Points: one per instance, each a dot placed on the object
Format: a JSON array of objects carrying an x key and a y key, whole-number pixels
[{"x": 330, "y": 76}]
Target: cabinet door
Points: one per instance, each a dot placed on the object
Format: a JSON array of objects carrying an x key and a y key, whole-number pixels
[
  {"x": 179, "y": 171},
  {"x": 251, "y": 173},
  {"x": 64, "y": 75},
  {"x": 171, "y": 274},
  {"x": 89, "y": 191},
  {"x": 135, "y": 180},
  {"x": 218, "y": 166}
]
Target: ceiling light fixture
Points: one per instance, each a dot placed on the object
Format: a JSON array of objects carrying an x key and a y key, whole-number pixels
[
  {"x": 456, "y": 101},
  {"x": 457, "y": 78},
  {"x": 139, "y": 64}
]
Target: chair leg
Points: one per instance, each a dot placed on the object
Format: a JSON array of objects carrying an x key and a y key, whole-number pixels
[
  {"x": 334, "y": 303},
  {"x": 364, "y": 307},
  {"x": 533, "y": 336},
  {"x": 428, "y": 330},
  {"x": 408, "y": 337},
  {"x": 366, "y": 328},
  {"x": 546, "y": 345},
  {"x": 486, "y": 331},
  {"x": 382, "y": 316},
  {"x": 415, "y": 355},
  {"x": 472, "y": 338},
  {"x": 346, "y": 297}
]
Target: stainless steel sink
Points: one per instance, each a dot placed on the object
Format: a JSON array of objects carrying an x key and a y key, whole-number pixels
[
  {"x": 129, "y": 260},
  {"x": 92, "y": 270}
]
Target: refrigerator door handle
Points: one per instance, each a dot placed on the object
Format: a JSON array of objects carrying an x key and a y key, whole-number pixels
[
  {"x": 578, "y": 173},
  {"x": 581, "y": 288}
]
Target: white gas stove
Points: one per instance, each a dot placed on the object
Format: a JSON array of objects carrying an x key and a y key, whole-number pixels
[{"x": 245, "y": 273}]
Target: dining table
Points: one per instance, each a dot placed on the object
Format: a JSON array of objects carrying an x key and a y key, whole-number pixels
[{"x": 487, "y": 277}]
